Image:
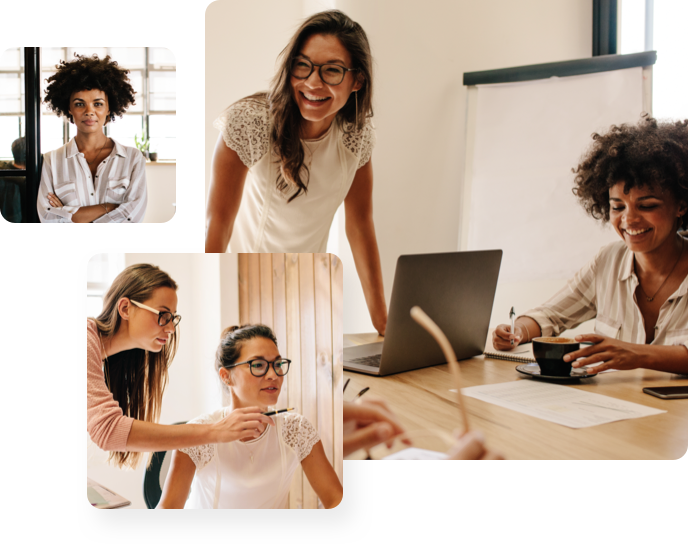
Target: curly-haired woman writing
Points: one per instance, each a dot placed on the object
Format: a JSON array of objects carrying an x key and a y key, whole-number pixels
[
  {"x": 92, "y": 179},
  {"x": 636, "y": 178}
]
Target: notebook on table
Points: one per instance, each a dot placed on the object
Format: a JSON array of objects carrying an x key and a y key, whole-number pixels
[
  {"x": 101, "y": 497},
  {"x": 524, "y": 354},
  {"x": 520, "y": 354}
]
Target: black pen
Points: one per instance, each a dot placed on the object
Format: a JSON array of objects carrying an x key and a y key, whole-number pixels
[
  {"x": 275, "y": 412},
  {"x": 347, "y": 383},
  {"x": 361, "y": 392},
  {"x": 512, "y": 316}
]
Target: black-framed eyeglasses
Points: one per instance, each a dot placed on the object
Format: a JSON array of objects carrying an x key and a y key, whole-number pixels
[
  {"x": 163, "y": 317},
  {"x": 332, "y": 74},
  {"x": 259, "y": 367}
]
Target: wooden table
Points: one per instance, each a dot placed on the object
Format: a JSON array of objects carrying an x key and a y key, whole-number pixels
[{"x": 422, "y": 399}]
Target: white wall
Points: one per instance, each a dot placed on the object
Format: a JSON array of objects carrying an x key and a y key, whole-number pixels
[
  {"x": 161, "y": 179},
  {"x": 421, "y": 51}
]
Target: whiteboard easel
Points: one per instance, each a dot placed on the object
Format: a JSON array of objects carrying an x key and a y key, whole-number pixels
[{"x": 523, "y": 136}]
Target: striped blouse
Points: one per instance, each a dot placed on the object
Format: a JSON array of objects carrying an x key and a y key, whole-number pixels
[
  {"x": 605, "y": 289},
  {"x": 120, "y": 179}
]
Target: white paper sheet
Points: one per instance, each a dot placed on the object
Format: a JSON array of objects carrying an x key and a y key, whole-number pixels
[{"x": 558, "y": 403}]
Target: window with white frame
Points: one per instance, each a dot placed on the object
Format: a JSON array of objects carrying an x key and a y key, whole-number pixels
[
  {"x": 646, "y": 25},
  {"x": 101, "y": 272},
  {"x": 152, "y": 73}
]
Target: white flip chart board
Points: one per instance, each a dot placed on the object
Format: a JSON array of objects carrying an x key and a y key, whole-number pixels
[{"x": 523, "y": 139}]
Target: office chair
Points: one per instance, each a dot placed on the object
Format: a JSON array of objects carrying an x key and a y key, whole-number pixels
[
  {"x": 13, "y": 194},
  {"x": 154, "y": 476}
]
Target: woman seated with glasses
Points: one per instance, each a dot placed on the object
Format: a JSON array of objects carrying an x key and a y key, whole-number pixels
[
  {"x": 636, "y": 178},
  {"x": 256, "y": 468}
]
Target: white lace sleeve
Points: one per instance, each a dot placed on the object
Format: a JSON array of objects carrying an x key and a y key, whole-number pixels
[
  {"x": 203, "y": 454},
  {"x": 360, "y": 142},
  {"x": 299, "y": 434},
  {"x": 244, "y": 128}
]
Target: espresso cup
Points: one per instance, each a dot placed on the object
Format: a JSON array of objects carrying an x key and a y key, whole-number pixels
[{"x": 549, "y": 353}]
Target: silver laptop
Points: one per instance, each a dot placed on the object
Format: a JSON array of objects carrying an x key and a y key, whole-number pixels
[{"x": 455, "y": 289}]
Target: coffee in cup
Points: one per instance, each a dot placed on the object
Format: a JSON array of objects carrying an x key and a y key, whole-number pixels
[{"x": 549, "y": 353}]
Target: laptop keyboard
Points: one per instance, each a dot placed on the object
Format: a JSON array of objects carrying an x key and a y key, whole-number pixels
[{"x": 372, "y": 360}]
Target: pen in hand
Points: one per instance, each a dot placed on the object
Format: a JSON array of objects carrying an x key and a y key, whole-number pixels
[
  {"x": 275, "y": 412},
  {"x": 512, "y": 316}
]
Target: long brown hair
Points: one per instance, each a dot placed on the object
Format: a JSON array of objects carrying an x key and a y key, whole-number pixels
[
  {"x": 136, "y": 377},
  {"x": 284, "y": 112}
]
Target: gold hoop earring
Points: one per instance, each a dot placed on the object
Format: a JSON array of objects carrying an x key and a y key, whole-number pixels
[{"x": 356, "y": 105}]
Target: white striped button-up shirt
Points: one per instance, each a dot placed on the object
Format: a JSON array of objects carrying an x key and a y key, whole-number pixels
[
  {"x": 120, "y": 179},
  {"x": 605, "y": 289}
]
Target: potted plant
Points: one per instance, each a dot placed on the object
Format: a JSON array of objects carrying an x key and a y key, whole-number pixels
[
  {"x": 143, "y": 145},
  {"x": 153, "y": 155}
]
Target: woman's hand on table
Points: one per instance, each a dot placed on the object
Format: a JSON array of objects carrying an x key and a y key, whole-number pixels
[
  {"x": 240, "y": 424},
  {"x": 502, "y": 337},
  {"x": 610, "y": 352},
  {"x": 369, "y": 423},
  {"x": 380, "y": 322}
]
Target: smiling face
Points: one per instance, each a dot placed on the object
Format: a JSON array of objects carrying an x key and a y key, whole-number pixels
[
  {"x": 645, "y": 218},
  {"x": 247, "y": 389},
  {"x": 143, "y": 326},
  {"x": 89, "y": 110},
  {"x": 319, "y": 102}
]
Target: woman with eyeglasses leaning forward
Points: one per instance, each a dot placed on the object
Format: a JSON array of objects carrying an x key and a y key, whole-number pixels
[
  {"x": 130, "y": 346},
  {"x": 287, "y": 158}
]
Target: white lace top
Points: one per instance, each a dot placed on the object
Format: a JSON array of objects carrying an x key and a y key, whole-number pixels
[
  {"x": 254, "y": 474},
  {"x": 266, "y": 222}
]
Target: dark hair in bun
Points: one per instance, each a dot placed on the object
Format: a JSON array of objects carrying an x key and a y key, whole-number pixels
[{"x": 234, "y": 337}]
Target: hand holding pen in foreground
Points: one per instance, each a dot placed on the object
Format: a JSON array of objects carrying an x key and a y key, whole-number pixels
[
  {"x": 368, "y": 423},
  {"x": 472, "y": 446}
]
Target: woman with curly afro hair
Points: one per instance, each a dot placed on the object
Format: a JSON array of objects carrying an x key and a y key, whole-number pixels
[
  {"x": 92, "y": 179},
  {"x": 636, "y": 178}
]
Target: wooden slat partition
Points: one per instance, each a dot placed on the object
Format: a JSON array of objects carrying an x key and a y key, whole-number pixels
[{"x": 300, "y": 297}]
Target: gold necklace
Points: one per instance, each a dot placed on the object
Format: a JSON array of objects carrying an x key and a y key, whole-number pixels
[
  {"x": 90, "y": 163},
  {"x": 250, "y": 451},
  {"x": 650, "y": 299}
]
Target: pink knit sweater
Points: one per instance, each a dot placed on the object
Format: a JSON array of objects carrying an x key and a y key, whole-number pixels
[{"x": 107, "y": 425}]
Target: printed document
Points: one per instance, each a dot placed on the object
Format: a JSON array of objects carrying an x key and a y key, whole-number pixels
[{"x": 558, "y": 403}]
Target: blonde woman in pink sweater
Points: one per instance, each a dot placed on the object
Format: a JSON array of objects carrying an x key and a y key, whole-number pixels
[{"x": 130, "y": 346}]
